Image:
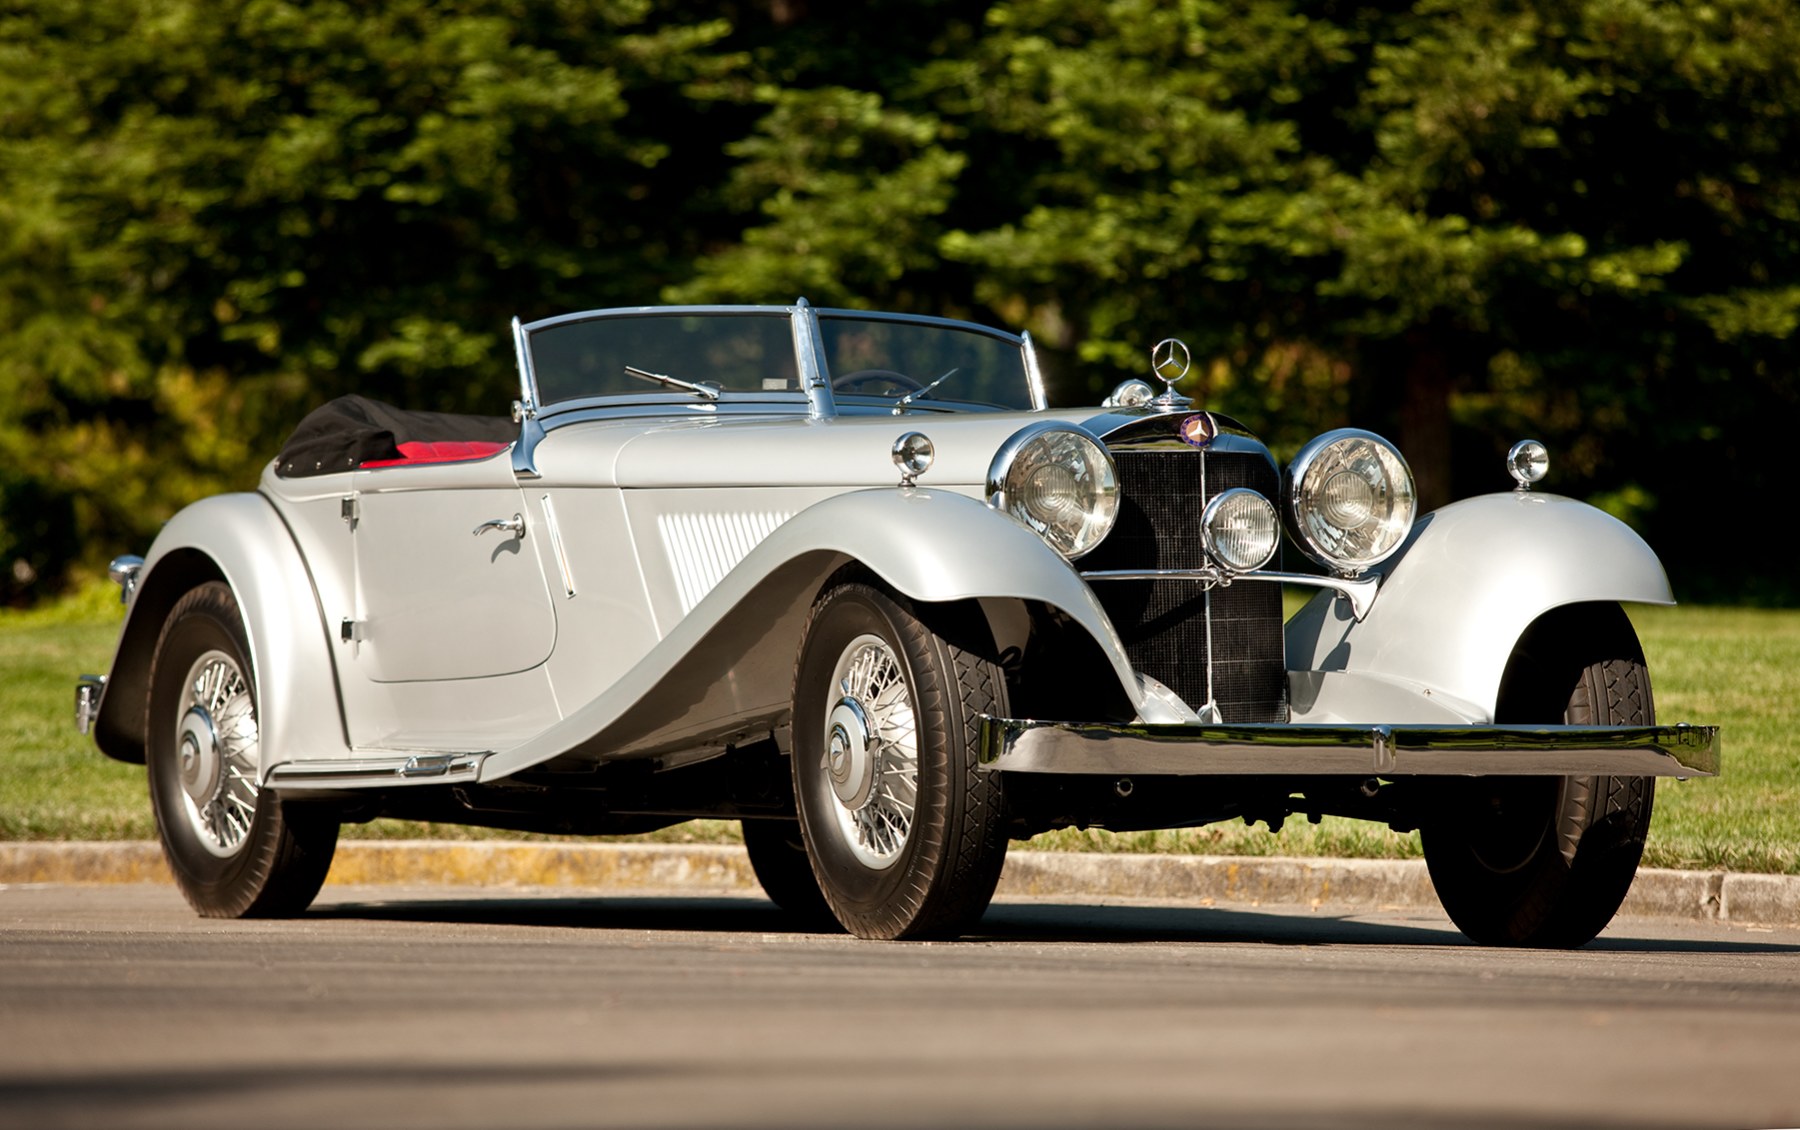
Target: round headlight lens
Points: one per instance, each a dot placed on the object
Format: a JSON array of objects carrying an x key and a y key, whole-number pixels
[
  {"x": 1058, "y": 480},
  {"x": 1350, "y": 500},
  {"x": 1240, "y": 530}
]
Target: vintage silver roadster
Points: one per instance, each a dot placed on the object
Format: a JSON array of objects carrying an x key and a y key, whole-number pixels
[{"x": 848, "y": 578}]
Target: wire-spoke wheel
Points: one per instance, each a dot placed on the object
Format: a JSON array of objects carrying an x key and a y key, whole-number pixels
[
  {"x": 216, "y": 748},
  {"x": 233, "y": 851},
  {"x": 903, "y": 830},
  {"x": 872, "y": 753}
]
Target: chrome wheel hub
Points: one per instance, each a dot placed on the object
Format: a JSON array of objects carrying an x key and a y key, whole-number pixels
[
  {"x": 849, "y": 758},
  {"x": 216, "y": 744},
  {"x": 871, "y": 753},
  {"x": 199, "y": 752}
]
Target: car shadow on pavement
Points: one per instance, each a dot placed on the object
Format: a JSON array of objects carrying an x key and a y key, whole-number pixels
[{"x": 1006, "y": 922}]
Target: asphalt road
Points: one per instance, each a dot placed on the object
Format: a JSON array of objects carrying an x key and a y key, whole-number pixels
[{"x": 402, "y": 1008}]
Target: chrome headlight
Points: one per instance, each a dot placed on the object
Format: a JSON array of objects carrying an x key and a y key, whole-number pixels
[
  {"x": 1240, "y": 530},
  {"x": 1349, "y": 499},
  {"x": 1058, "y": 480}
]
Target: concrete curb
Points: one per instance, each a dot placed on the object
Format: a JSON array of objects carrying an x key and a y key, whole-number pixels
[{"x": 1765, "y": 900}]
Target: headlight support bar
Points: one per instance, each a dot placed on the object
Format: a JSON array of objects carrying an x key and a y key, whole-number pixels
[{"x": 1359, "y": 592}]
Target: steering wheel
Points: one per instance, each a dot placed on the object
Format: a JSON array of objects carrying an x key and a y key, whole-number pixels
[{"x": 854, "y": 382}]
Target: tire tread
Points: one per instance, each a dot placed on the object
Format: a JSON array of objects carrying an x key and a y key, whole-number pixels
[
  {"x": 959, "y": 843},
  {"x": 286, "y": 858}
]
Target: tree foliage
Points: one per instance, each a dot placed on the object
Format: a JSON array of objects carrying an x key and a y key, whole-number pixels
[
  {"x": 1459, "y": 223},
  {"x": 216, "y": 214}
]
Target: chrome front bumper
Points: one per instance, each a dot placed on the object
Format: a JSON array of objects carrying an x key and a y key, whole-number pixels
[{"x": 1024, "y": 746}]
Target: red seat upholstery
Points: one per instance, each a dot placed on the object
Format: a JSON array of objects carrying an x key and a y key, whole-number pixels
[{"x": 439, "y": 451}]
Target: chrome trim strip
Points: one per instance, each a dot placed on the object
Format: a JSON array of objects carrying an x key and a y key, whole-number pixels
[
  {"x": 1197, "y": 749},
  {"x": 621, "y": 406},
  {"x": 399, "y": 769},
  {"x": 1034, "y": 373},
  {"x": 659, "y": 311},
  {"x": 524, "y": 452},
  {"x": 556, "y": 546},
  {"x": 916, "y": 319},
  {"x": 1360, "y": 592},
  {"x": 809, "y": 355},
  {"x": 522, "y": 358}
]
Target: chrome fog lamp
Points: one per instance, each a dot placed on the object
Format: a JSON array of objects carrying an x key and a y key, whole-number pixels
[
  {"x": 1058, "y": 480},
  {"x": 1350, "y": 501},
  {"x": 1240, "y": 530},
  {"x": 913, "y": 453},
  {"x": 1527, "y": 462},
  {"x": 124, "y": 572}
]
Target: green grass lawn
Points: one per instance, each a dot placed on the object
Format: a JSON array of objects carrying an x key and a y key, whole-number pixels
[{"x": 1738, "y": 668}]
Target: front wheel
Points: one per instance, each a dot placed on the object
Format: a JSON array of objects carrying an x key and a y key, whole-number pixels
[
  {"x": 1547, "y": 861},
  {"x": 234, "y": 852},
  {"x": 905, "y": 834}
]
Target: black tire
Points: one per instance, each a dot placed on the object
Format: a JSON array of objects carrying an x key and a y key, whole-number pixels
[
  {"x": 234, "y": 852},
  {"x": 777, "y": 854},
  {"x": 886, "y": 872},
  {"x": 1547, "y": 861}
]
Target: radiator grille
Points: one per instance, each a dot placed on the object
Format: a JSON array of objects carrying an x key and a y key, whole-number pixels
[{"x": 1163, "y": 623}]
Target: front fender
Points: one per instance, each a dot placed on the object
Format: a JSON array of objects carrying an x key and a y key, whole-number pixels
[
  {"x": 241, "y": 540},
  {"x": 1468, "y": 582},
  {"x": 727, "y": 666},
  {"x": 937, "y": 546}
]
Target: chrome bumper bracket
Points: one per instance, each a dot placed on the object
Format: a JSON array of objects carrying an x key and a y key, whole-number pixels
[{"x": 88, "y": 691}]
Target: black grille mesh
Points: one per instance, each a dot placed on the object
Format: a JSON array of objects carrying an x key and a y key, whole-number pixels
[{"x": 1163, "y": 623}]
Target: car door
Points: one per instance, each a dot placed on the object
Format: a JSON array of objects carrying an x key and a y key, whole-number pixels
[{"x": 448, "y": 579}]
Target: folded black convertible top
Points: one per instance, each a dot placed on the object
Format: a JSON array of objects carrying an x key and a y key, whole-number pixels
[{"x": 345, "y": 433}]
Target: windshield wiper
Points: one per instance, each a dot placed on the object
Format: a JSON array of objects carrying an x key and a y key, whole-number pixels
[
  {"x": 912, "y": 396},
  {"x": 709, "y": 391}
]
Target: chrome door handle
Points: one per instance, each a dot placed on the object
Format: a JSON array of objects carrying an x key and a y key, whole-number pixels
[{"x": 514, "y": 525}]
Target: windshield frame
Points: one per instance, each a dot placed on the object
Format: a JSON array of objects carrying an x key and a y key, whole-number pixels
[{"x": 809, "y": 356}]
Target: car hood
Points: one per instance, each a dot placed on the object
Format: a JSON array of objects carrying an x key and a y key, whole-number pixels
[{"x": 849, "y": 451}]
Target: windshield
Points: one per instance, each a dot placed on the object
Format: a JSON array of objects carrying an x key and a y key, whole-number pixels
[
  {"x": 923, "y": 362},
  {"x": 737, "y": 352},
  {"x": 701, "y": 353}
]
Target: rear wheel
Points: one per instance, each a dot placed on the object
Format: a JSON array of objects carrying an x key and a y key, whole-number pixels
[
  {"x": 904, "y": 832},
  {"x": 777, "y": 854},
  {"x": 1547, "y": 861},
  {"x": 234, "y": 852}
]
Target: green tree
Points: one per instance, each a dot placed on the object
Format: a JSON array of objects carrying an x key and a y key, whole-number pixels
[
  {"x": 214, "y": 215},
  {"x": 1458, "y": 223}
]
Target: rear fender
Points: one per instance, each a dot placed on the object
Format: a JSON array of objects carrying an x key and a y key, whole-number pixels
[
  {"x": 1471, "y": 578},
  {"x": 241, "y": 540}
]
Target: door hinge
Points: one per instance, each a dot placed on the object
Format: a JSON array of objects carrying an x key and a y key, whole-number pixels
[
  {"x": 350, "y": 631},
  {"x": 350, "y": 510}
]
